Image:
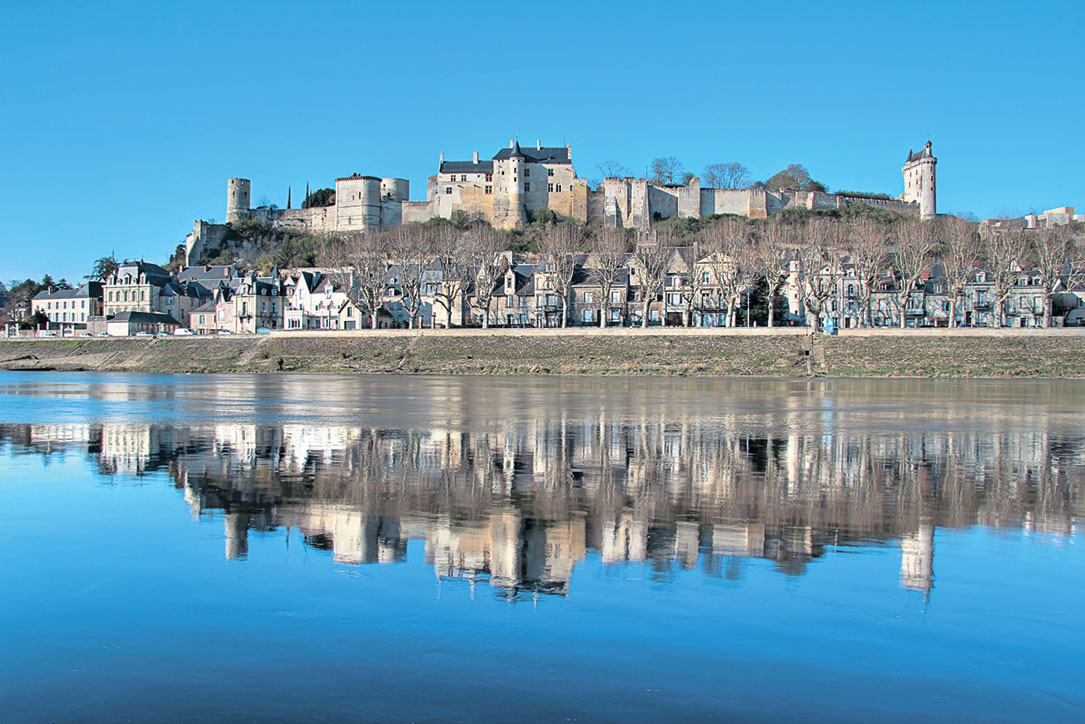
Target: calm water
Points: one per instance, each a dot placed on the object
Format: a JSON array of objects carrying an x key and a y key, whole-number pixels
[{"x": 247, "y": 548}]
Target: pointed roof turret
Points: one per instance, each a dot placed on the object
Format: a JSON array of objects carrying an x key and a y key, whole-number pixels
[{"x": 516, "y": 152}]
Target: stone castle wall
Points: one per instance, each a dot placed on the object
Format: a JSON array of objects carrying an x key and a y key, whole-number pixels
[{"x": 371, "y": 203}]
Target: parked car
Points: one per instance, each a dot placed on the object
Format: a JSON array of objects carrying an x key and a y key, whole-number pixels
[
  {"x": 144, "y": 334},
  {"x": 85, "y": 334},
  {"x": 225, "y": 331},
  {"x": 183, "y": 332}
]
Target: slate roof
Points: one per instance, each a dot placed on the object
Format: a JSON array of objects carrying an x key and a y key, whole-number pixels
[
  {"x": 145, "y": 317},
  {"x": 547, "y": 154},
  {"x": 924, "y": 152},
  {"x": 206, "y": 273},
  {"x": 466, "y": 167},
  {"x": 83, "y": 291}
]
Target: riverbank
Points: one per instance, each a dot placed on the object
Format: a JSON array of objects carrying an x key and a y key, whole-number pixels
[{"x": 774, "y": 353}]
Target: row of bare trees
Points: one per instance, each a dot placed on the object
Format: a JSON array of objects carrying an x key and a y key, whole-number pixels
[{"x": 722, "y": 262}]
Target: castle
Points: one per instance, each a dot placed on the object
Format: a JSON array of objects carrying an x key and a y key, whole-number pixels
[{"x": 507, "y": 189}]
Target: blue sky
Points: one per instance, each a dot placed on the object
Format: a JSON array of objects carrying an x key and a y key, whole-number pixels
[{"x": 122, "y": 121}]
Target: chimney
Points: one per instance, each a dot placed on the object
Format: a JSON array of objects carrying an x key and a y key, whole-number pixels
[
  {"x": 474, "y": 156},
  {"x": 510, "y": 143},
  {"x": 538, "y": 144},
  {"x": 442, "y": 156}
]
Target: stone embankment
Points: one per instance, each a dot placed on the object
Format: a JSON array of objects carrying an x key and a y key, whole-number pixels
[{"x": 754, "y": 352}]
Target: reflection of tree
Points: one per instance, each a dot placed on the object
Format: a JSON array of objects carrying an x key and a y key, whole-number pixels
[{"x": 519, "y": 501}]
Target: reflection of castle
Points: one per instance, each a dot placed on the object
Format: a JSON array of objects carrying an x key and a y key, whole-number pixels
[{"x": 518, "y": 501}]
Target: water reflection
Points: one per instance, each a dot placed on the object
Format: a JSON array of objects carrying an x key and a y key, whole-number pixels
[{"x": 518, "y": 497}]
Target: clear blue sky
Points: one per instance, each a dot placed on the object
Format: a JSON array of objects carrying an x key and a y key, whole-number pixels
[{"x": 121, "y": 121}]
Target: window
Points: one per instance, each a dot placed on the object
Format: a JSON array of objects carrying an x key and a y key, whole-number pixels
[
  {"x": 588, "y": 298},
  {"x": 527, "y": 187},
  {"x": 527, "y": 172},
  {"x": 489, "y": 189},
  {"x": 674, "y": 299},
  {"x": 616, "y": 297},
  {"x": 463, "y": 177},
  {"x": 587, "y": 316},
  {"x": 653, "y": 315},
  {"x": 615, "y": 315},
  {"x": 559, "y": 188},
  {"x": 549, "y": 172},
  {"x": 448, "y": 190},
  {"x": 705, "y": 278},
  {"x": 489, "y": 177},
  {"x": 550, "y": 188}
]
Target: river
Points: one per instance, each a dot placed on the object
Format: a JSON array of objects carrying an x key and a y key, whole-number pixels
[{"x": 323, "y": 548}]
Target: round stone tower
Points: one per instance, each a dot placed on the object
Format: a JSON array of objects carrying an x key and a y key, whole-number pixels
[
  {"x": 238, "y": 196},
  {"x": 919, "y": 185}
]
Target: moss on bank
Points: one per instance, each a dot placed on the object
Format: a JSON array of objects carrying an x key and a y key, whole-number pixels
[{"x": 709, "y": 355}]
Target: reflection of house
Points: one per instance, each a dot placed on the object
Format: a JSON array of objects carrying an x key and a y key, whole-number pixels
[
  {"x": 917, "y": 559},
  {"x": 518, "y": 501}
]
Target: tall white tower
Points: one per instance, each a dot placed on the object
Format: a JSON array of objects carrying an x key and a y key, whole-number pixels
[
  {"x": 919, "y": 181},
  {"x": 237, "y": 199}
]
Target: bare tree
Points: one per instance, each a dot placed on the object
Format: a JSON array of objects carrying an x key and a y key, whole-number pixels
[
  {"x": 820, "y": 268},
  {"x": 666, "y": 171},
  {"x": 358, "y": 264},
  {"x": 1004, "y": 253},
  {"x": 561, "y": 244},
  {"x": 698, "y": 286},
  {"x": 612, "y": 169},
  {"x": 649, "y": 263},
  {"x": 958, "y": 253},
  {"x": 1053, "y": 253},
  {"x": 448, "y": 274},
  {"x": 484, "y": 246},
  {"x": 867, "y": 241},
  {"x": 730, "y": 258},
  {"x": 606, "y": 262},
  {"x": 773, "y": 251},
  {"x": 410, "y": 256},
  {"x": 726, "y": 176},
  {"x": 913, "y": 249}
]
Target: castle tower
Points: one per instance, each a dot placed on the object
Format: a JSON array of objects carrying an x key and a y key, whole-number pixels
[
  {"x": 357, "y": 203},
  {"x": 238, "y": 194},
  {"x": 919, "y": 181},
  {"x": 516, "y": 181}
]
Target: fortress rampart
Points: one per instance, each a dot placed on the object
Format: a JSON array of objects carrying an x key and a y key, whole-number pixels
[{"x": 519, "y": 181}]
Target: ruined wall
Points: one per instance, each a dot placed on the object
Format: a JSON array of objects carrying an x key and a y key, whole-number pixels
[
  {"x": 391, "y": 214},
  {"x": 578, "y": 201},
  {"x": 417, "y": 211},
  {"x": 204, "y": 236},
  {"x": 725, "y": 201},
  {"x": 318, "y": 219},
  {"x": 596, "y": 200},
  {"x": 662, "y": 202},
  {"x": 689, "y": 198}
]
